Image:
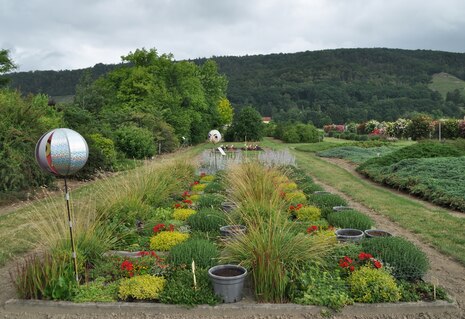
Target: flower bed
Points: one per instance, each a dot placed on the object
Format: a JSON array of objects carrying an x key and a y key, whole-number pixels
[{"x": 288, "y": 246}]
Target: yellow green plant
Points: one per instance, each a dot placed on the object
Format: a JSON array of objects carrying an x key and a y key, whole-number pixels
[
  {"x": 207, "y": 178},
  {"x": 198, "y": 187},
  {"x": 372, "y": 285},
  {"x": 166, "y": 240},
  {"x": 288, "y": 187},
  {"x": 183, "y": 213},
  {"x": 195, "y": 197},
  {"x": 308, "y": 213},
  {"x": 145, "y": 287},
  {"x": 295, "y": 197}
]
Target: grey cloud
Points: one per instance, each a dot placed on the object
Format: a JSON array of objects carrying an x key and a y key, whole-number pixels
[{"x": 53, "y": 34}]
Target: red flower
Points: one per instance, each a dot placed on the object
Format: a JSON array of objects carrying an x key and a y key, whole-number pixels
[
  {"x": 299, "y": 206},
  {"x": 187, "y": 201},
  {"x": 171, "y": 227},
  {"x": 343, "y": 264},
  {"x": 127, "y": 265},
  {"x": 351, "y": 268},
  {"x": 186, "y": 194},
  {"x": 196, "y": 183},
  {"x": 158, "y": 228},
  {"x": 291, "y": 207},
  {"x": 347, "y": 259},
  {"x": 177, "y": 205},
  {"x": 312, "y": 229},
  {"x": 377, "y": 264},
  {"x": 364, "y": 256}
]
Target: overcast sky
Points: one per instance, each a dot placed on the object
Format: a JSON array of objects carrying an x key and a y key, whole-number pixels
[{"x": 65, "y": 34}]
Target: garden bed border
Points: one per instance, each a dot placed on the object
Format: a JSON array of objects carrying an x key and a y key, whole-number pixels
[{"x": 231, "y": 310}]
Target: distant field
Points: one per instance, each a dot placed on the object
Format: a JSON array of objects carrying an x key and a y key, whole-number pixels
[{"x": 444, "y": 82}]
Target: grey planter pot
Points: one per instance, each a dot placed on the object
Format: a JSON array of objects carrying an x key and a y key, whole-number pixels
[
  {"x": 232, "y": 230},
  {"x": 349, "y": 234},
  {"x": 373, "y": 233},
  {"x": 228, "y": 206},
  {"x": 228, "y": 281},
  {"x": 341, "y": 208}
]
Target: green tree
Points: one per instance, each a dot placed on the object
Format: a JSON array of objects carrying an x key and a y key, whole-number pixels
[
  {"x": 6, "y": 65},
  {"x": 247, "y": 126},
  {"x": 226, "y": 111}
]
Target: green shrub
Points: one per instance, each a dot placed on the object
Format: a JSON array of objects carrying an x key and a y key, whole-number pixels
[
  {"x": 96, "y": 291},
  {"x": 419, "y": 150},
  {"x": 214, "y": 187},
  {"x": 406, "y": 259},
  {"x": 326, "y": 200},
  {"x": 180, "y": 289},
  {"x": 144, "y": 287},
  {"x": 210, "y": 201},
  {"x": 207, "y": 220},
  {"x": 318, "y": 287},
  {"x": 106, "y": 146},
  {"x": 308, "y": 214},
  {"x": 349, "y": 219},
  {"x": 420, "y": 127},
  {"x": 369, "y": 285},
  {"x": 202, "y": 251},
  {"x": 421, "y": 291},
  {"x": 166, "y": 240},
  {"x": 135, "y": 142}
]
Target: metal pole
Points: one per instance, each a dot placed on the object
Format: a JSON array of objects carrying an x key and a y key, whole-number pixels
[{"x": 73, "y": 247}]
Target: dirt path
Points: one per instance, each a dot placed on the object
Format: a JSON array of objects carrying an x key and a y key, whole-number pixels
[
  {"x": 444, "y": 270},
  {"x": 350, "y": 167}
]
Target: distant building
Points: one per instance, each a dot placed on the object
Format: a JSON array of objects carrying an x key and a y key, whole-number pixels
[{"x": 266, "y": 119}]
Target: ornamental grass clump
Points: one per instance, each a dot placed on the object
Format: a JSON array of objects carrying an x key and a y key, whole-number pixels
[
  {"x": 274, "y": 251},
  {"x": 145, "y": 287},
  {"x": 207, "y": 220},
  {"x": 406, "y": 260},
  {"x": 210, "y": 201},
  {"x": 202, "y": 251},
  {"x": 271, "y": 248},
  {"x": 214, "y": 187},
  {"x": 370, "y": 285},
  {"x": 183, "y": 213},
  {"x": 350, "y": 219},
  {"x": 326, "y": 200}
]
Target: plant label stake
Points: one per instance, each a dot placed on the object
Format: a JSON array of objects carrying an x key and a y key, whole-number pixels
[
  {"x": 193, "y": 273},
  {"x": 63, "y": 152}
]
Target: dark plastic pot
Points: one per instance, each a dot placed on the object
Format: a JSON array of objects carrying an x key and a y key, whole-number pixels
[
  {"x": 232, "y": 230},
  {"x": 349, "y": 234},
  {"x": 372, "y": 233},
  {"x": 227, "y": 206},
  {"x": 228, "y": 281},
  {"x": 341, "y": 208}
]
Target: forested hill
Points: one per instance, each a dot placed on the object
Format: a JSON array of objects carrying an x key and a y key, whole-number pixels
[{"x": 322, "y": 86}]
